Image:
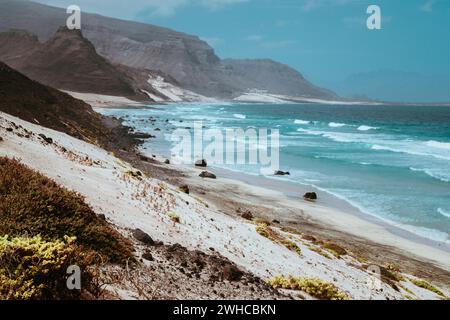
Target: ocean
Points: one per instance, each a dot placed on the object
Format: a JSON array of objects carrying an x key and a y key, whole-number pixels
[{"x": 391, "y": 162}]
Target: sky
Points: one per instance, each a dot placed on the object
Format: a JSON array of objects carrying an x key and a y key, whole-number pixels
[{"x": 326, "y": 40}]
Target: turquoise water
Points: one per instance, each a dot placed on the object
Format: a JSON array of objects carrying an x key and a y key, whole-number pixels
[{"x": 392, "y": 162}]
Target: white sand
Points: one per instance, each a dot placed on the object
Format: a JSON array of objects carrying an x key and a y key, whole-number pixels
[
  {"x": 174, "y": 93},
  {"x": 260, "y": 96},
  {"x": 104, "y": 101},
  {"x": 132, "y": 203}
]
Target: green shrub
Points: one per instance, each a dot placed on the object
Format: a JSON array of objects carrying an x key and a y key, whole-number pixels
[
  {"x": 31, "y": 268},
  {"x": 313, "y": 286},
  {"x": 31, "y": 205}
]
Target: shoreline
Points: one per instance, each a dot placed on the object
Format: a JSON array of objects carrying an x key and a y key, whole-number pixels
[
  {"x": 294, "y": 191},
  {"x": 330, "y": 212},
  {"x": 376, "y": 229}
]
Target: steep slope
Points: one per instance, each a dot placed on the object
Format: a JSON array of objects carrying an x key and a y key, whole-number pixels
[
  {"x": 66, "y": 61},
  {"x": 34, "y": 102},
  {"x": 191, "y": 61}
]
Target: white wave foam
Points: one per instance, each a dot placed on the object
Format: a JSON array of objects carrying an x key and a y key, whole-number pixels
[
  {"x": 444, "y": 212},
  {"x": 239, "y": 116},
  {"x": 336, "y": 125},
  {"x": 432, "y": 173},
  {"x": 311, "y": 132},
  {"x": 410, "y": 148},
  {"x": 366, "y": 128},
  {"x": 439, "y": 145},
  {"x": 302, "y": 122}
]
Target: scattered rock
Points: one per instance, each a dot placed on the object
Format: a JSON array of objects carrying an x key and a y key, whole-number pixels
[
  {"x": 310, "y": 196},
  {"x": 102, "y": 217},
  {"x": 167, "y": 161},
  {"x": 147, "y": 256},
  {"x": 282, "y": 173},
  {"x": 141, "y": 236},
  {"x": 308, "y": 237},
  {"x": 9, "y": 129},
  {"x": 46, "y": 139},
  {"x": 276, "y": 221},
  {"x": 231, "y": 273},
  {"x": 157, "y": 129},
  {"x": 201, "y": 163},
  {"x": 247, "y": 215},
  {"x": 184, "y": 189},
  {"x": 209, "y": 175}
]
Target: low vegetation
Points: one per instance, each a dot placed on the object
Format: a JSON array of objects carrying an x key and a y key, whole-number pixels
[
  {"x": 32, "y": 268},
  {"x": 425, "y": 285},
  {"x": 31, "y": 204},
  {"x": 269, "y": 233},
  {"x": 174, "y": 217},
  {"x": 335, "y": 249},
  {"x": 315, "y": 287},
  {"x": 45, "y": 228}
]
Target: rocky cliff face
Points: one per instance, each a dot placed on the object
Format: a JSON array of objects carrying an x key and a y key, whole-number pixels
[
  {"x": 189, "y": 60},
  {"x": 66, "y": 61}
]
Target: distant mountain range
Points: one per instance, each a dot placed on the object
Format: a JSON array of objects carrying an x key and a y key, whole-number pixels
[
  {"x": 124, "y": 54},
  {"x": 394, "y": 85}
]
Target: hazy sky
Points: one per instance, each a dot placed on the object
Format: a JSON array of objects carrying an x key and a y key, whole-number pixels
[{"x": 327, "y": 40}]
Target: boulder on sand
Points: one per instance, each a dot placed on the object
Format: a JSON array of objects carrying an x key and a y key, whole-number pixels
[
  {"x": 282, "y": 173},
  {"x": 143, "y": 237},
  {"x": 311, "y": 196},
  {"x": 209, "y": 175},
  {"x": 247, "y": 215},
  {"x": 201, "y": 163},
  {"x": 184, "y": 189}
]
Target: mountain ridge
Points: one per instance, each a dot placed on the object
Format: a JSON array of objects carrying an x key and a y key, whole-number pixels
[{"x": 186, "y": 58}]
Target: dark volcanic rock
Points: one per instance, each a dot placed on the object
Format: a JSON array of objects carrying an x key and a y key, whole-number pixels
[
  {"x": 147, "y": 256},
  {"x": 209, "y": 175},
  {"x": 247, "y": 215},
  {"x": 310, "y": 196},
  {"x": 141, "y": 236},
  {"x": 232, "y": 273},
  {"x": 282, "y": 173},
  {"x": 201, "y": 163},
  {"x": 184, "y": 189},
  {"x": 46, "y": 139}
]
